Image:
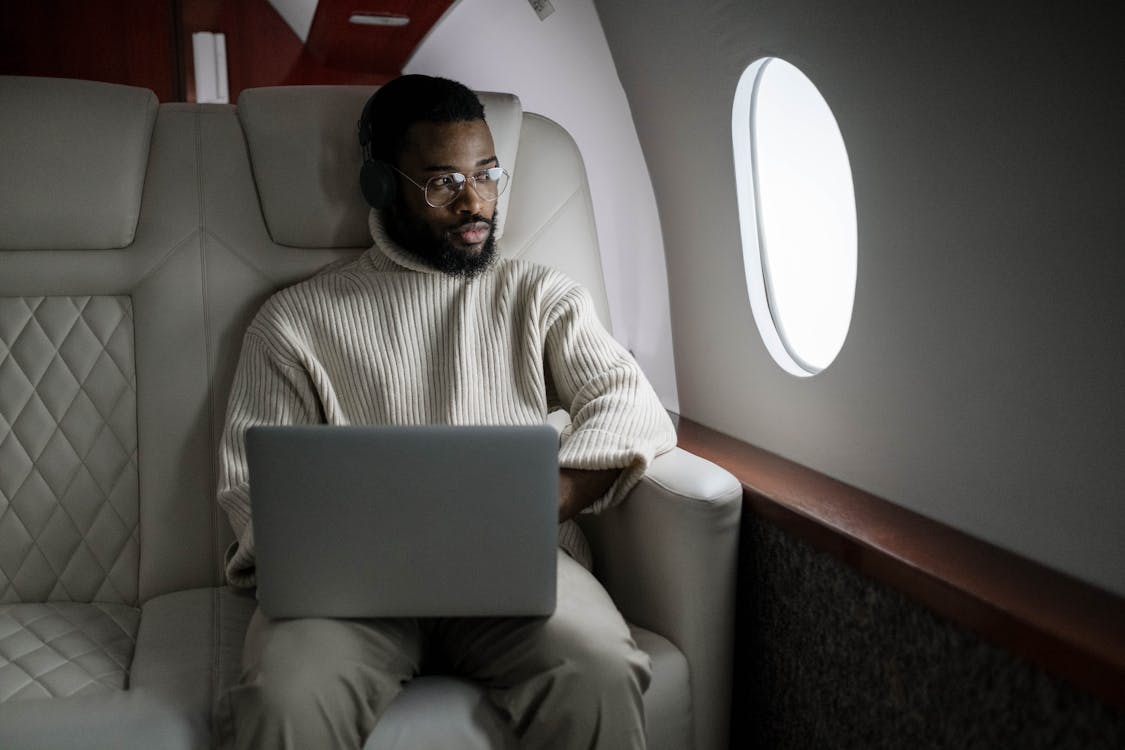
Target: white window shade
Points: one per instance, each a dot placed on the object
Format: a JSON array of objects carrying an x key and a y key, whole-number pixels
[
  {"x": 797, "y": 213},
  {"x": 209, "y": 55}
]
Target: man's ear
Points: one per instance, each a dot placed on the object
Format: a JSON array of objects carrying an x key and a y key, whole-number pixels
[{"x": 377, "y": 182}]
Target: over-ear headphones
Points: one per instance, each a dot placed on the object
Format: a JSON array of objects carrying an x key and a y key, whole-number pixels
[{"x": 377, "y": 180}]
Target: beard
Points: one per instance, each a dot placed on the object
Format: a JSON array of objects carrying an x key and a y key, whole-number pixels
[{"x": 434, "y": 248}]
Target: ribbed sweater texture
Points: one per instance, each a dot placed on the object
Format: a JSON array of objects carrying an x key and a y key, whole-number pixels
[{"x": 385, "y": 339}]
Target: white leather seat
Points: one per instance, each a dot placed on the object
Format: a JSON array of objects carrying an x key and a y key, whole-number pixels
[{"x": 136, "y": 240}]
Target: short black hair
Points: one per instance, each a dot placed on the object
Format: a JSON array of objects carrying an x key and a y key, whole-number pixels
[{"x": 409, "y": 99}]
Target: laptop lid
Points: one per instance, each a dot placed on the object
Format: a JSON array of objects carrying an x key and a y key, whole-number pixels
[{"x": 404, "y": 521}]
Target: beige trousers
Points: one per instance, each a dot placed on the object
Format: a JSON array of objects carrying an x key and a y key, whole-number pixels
[{"x": 571, "y": 680}]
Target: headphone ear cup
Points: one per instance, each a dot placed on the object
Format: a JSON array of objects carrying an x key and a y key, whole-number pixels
[{"x": 377, "y": 181}]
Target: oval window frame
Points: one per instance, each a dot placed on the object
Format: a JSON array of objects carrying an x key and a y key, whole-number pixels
[{"x": 768, "y": 315}]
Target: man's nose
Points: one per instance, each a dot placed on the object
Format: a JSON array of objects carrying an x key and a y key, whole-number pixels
[{"x": 468, "y": 202}]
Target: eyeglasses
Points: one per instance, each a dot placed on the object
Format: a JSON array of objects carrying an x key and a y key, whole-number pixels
[{"x": 443, "y": 189}]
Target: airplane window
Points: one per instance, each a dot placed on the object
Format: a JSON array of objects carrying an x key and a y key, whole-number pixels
[{"x": 796, "y": 207}]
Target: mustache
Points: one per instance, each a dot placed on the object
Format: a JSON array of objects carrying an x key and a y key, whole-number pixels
[{"x": 476, "y": 222}]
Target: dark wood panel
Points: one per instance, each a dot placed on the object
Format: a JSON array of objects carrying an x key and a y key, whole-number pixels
[
  {"x": 1068, "y": 627},
  {"x": 335, "y": 42},
  {"x": 117, "y": 41},
  {"x": 261, "y": 48}
]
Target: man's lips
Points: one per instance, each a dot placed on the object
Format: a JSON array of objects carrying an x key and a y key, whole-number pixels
[{"x": 472, "y": 233}]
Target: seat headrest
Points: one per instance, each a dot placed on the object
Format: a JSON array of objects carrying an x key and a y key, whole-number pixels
[
  {"x": 73, "y": 162},
  {"x": 305, "y": 155}
]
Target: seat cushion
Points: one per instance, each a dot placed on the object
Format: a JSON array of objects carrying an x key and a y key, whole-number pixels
[
  {"x": 187, "y": 648},
  {"x": 120, "y": 720},
  {"x": 60, "y": 649}
]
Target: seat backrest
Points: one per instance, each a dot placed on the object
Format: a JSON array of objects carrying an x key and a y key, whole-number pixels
[
  {"x": 74, "y": 159},
  {"x": 136, "y": 242}
]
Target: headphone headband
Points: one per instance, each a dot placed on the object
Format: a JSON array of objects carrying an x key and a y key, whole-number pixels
[{"x": 377, "y": 181}]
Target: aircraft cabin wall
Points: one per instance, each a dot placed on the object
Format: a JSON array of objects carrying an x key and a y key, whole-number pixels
[{"x": 981, "y": 382}]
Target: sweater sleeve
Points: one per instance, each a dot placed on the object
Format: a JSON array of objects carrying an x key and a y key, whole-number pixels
[
  {"x": 267, "y": 389},
  {"x": 617, "y": 420}
]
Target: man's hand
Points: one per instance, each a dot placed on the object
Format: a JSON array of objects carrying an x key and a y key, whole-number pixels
[{"x": 578, "y": 489}]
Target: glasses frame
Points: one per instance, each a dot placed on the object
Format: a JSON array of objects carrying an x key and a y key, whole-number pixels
[{"x": 470, "y": 180}]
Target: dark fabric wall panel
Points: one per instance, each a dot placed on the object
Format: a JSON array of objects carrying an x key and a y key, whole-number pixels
[{"x": 827, "y": 658}]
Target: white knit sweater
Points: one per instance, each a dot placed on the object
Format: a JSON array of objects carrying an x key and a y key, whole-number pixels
[{"x": 386, "y": 340}]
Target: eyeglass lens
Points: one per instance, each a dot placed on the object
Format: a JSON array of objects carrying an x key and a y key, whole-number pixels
[{"x": 489, "y": 184}]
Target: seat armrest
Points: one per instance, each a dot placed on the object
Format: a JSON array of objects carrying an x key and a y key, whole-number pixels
[{"x": 668, "y": 556}]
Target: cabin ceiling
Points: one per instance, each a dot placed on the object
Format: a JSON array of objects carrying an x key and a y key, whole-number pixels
[{"x": 298, "y": 14}]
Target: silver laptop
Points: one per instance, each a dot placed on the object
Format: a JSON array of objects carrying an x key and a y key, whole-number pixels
[{"x": 420, "y": 521}]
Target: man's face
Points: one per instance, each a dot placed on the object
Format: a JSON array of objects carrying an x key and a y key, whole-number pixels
[{"x": 456, "y": 238}]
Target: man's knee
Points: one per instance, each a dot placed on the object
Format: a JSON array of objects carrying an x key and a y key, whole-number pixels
[
  {"x": 589, "y": 658},
  {"x": 301, "y": 680},
  {"x": 586, "y": 694},
  {"x": 287, "y": 659},
  {"x": 613, "y": 664},
  {"x": 291, "y": 685}
]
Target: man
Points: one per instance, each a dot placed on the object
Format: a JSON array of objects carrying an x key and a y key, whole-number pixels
[{"x": 429, "y": 326}]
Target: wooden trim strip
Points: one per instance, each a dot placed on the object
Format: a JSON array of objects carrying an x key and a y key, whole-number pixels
[{"x": 1070, "y": 628}]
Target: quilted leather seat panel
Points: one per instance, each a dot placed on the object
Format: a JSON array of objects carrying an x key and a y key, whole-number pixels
[
  {"x": 61, "y": 649},
  {"x": 68, "y": 453}
]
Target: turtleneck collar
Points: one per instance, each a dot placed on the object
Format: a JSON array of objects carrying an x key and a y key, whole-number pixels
[{"x": 386, "y": 253}]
